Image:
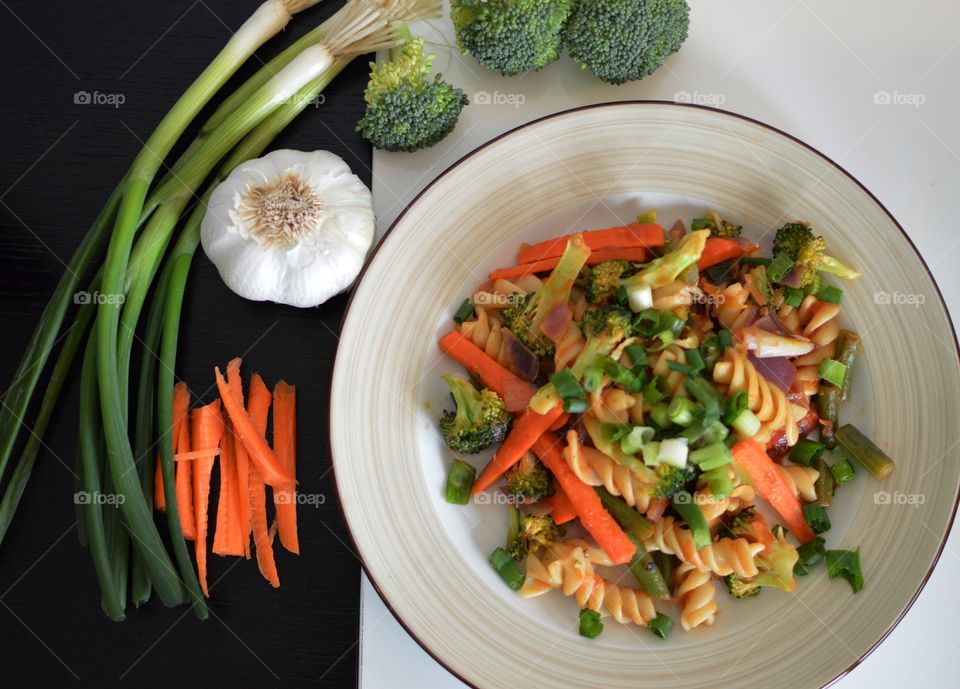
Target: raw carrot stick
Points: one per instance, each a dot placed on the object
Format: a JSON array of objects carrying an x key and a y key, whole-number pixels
[
  {"x": 285, "y": 445},
  {"x": 261, "y": 454},
  {"x": 259, "y": 409},
  {"x": 159, "y": 499},
  {"x": 206, "y": 431},
  {"x": 242, "y": 462},
  {"x": 595, "y": 519},
  {"x": 631, "y": 235},
  {"x": 771, "y": 484},
  {"x": 720, "y": 249},
  {"x": 561, "y": 509},
  {"x": 184, "y": 481},
  {"x": 227, "y": 539},
  {"x": 490, "y": 373},
  {"x": 526, "y": 429},
  {"x": 181, "y": 411},
  {"x": 195, "y": 454},
  {"x": 634, "y": 254}
]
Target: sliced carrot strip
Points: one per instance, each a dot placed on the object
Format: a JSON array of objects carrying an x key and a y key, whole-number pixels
[
  {"x": 595, "y": 519},
  {"x": 259, "y": 408},
  {"x": 206, "y": 431},
  {"x": 227, "y": 539},
  {"x": 490, "y": 373},
  {"x": 159, "y": 499},
  {"x": 561, "y": 509},
  {"x": 634, "y": 254},
  {"x": 631, "y": 235},
  {"x": 771, "y": 484},
  {"x": 285, "y": 446},
  {"x": 720, "y": 249},
  {"x": 196, "y": 454},
  {"x": 184, "y": 482},
  {"x": 526, "y": 429},
  {"x": 560, "y": 422},
  {"x": 242, "y": 462},
  {"x": 261, "y": 454}
]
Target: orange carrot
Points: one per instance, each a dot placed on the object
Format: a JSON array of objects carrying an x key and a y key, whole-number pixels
[
  {"x": 196, "y": 454},
  {"x": 206, "y": 432},
  {"x": 560, "y": 422},
  {"x": 634, "y": 254},
  {"x": 484, "y": 367},
  {"x": 771, "y": 484},
  {"x": 159, "y": 499},
  {"x": 720, "y": 249},
  {"x": 242, "y": 462},
  {"x": 657, "y": 507},
  {"x": 181, "y": 411},
  {"x": 631, "y": 235},
  {"x": 595, "y": 519},
  {"x": 526, "y": 429},
  {"x": 285, "y": 445},
  {"x": 184, "y": 479},
  {"x": 261, "y": 454},
  {"x": 259, "y": 408},
  {"x": 561, "y": 509},
  {"x": 227, "y": 539}
]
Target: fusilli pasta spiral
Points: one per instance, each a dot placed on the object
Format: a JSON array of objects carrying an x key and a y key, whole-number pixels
[
  {"x": 696, "y": 595},
  {"x": 801, "y": 480},
  {"x": 722, "y": 557},
  {"x": 595, "y": 468}
]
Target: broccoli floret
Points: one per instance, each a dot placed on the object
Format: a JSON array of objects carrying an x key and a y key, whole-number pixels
[
  {"x": 511, "y": 36},
  {"x": 791, "y": 238},
  {"x": 718, "y": 226},
  {"x": 741, "y": 526},
  {"x": 479, "y": 420},
  {"x": 604, "y": 280},
  {"x": 610, "y": 319},
  {"x": 529, "y": 479},
  {"x": 528, "y": 533},
  {"x": 797, "y": 241},
  {"x": 623, "y": 40},
  {"x": 741, "y": 588},
  {"x": 671, "y": 479},
  {"x": 775, "y": 562},
  {"x": 406, "y": 109},
  {"x": 518, "y": 317}
]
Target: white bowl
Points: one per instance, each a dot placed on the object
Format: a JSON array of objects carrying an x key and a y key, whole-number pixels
[{"x": 588, "y": 168}]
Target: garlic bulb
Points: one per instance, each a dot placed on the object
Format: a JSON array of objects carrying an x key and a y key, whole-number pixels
[{"x": 291, "y": 227}]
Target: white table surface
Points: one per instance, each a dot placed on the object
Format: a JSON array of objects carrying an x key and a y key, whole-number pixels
[{"x": 873, "y": 85}]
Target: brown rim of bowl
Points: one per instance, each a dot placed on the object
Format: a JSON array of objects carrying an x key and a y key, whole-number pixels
[{"x": 562, "y": 113}]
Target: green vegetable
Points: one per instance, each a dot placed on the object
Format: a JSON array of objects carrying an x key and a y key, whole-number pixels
[
  {"x": 591, "y": 626},
  {"x": 660, "y": 414},
  {"x": 792, "y": 297},
  {"x": 671, "y": 480},
  {"x": 691, "y": 513},
  {"x": 645, "y": 571},
  {"x": 634, "y": 523},
  {"x": 460, "y": 480},
  {"x": 809, "y": 554},
  {"x": 845, "y": 563},
  {"x": 712, "y": 456},
  {"x": 816, "y": 517},
  {"x": 604, "y": 280},
  {"x": 667, "y": 268},
  {"x": 719, "y": 482},
  {"x": 510, "y": 36},
  {"x": 776, "y": 565},
  {"x": 506, "y": 568},
  {"x": 406, "y": 109},
  {"x": 479, "y": 421},
  {"x": 833, "y": 295},
  {"x": 528, "y": 533},
  {"x": 717, "y": 226},
  {"x": 806, "y": 452},
  {"x": 848, "y": 347},
  {"x": 575, "y": 405},
  {"x": 680, "y": 411},
  {"x": 824, "y": 484},
  {"x": 528, "y": 479},
  {"x": 797, "y": 241},
  {"x": 779, "y": 267},
  {"x": 566, "y": 384},
  {"x": 464, "y": 312},
  {"x": 832, "y": 371},
  {"x": 828, "y": 408},
  {"x": 740, "y": 587},
  {"x": 661, "y": 625},
  {"x": 624, "y": 40},
  {"x": 637, "y": 439},
  {"x": 864, "y": 451},
  {"x": 842, "y": 470}
]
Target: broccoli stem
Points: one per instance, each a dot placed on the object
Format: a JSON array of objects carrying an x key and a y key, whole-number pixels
[{"x": 667, "y": 268}]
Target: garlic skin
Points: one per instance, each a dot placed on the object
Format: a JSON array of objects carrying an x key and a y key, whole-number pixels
[{"x": 291, "y": 227}]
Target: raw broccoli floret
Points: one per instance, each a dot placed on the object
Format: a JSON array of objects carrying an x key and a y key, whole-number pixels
[
  {"x": 511, "y": 36},
  {"x": 604, "y": 280},
  {"x": 623, "y": 40},
  {"x": 529, "y": 479},
  {"x": 609, "y": 318},
  {"x": 479, "y": 420},
  {"x": 406, "y": 109},
  {"x": 528, "y": 533},
  {"x": 671, "y": 479}
]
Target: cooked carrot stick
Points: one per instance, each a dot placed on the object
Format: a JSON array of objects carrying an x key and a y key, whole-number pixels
[
  {"x": 242, "y": 461},
  {"x": 159, "y": 499},
  {"x": 526, "y": 429},
  {"x": 634, "y": 254},
  {"x": 184, "y": 479},
  {"x": 770, "y": 483},
  {"x": 594, "y": 518},
  {"x": 261, "y": 454},
  {"x": 657, "y": 507},
  {"x": 561, "y": 509},
  {"x": 206, "y": 431},
  {"x": 631, "y": 235},
  {"x": 490, "y": 373},
  {"x": 285, "y": 445},
  {"x": 560, "y": 422},
  {"x": 259, "y": 409},
  {"x": 720, "y": 249}
]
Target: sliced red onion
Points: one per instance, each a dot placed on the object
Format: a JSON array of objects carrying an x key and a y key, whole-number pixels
[
  {"x": 524, "y": 362},
  {"x": 556, "y": 322},
  {"x": 777, "y": 370}
]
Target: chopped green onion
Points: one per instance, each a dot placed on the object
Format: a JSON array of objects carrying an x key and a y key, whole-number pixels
[
  {"x": 845, "y": 563},
  {"x": 864, "y": 451},
  {"x": 824, "y": 484},
  {"x": 592, "y": 378},
  {"x": 695, "y": 360},
  {"x": 831, "y": 294},
  {"x": 575, "y": 405},
  {"x": 591, "y": 626},
  {"x": 566, "y": 384},
  {"x": 816, "y": 517},
  {"x": 716, "y": 432},
  {"x": 755, "y": 261},
  {"x": 843, "y": 471},
  {"x": 651, "y": 454},
  {"x": 712, "y": 456},
  {"x": 726, "y": 338},
  {"x": 460, "y": 481},
  {"x": 779, "y": 267},
  {"x": 681, "y": 410},
  {"x": 638, "y": 438},
  {"x": 711, "y": 350},
  {"x": 705, "y": 394},
  {"x": 660, "y": 413},
  {"x": 832, "y": 371},
  {"x": 464, "y": 312},
  {"x": 701, "y": 224},
  {"x": 661, "y": 625},
  {"x": 673, "y": 451},
  {"x": 656, "y": 390},
  {"x": 809, "y": 553},
  {"x": 614, "y": 432},
  {"x": 662, "y": 340},
  {"x": 736, "y": 405},
  {"x": 719, "y": 482},
  {"x": 670, "y": 322},
  {"x": 507, "y": 568},
  {"x": 647, "y": 322},
  {"x": 762, "y": 283},
  {"x": 806, "y": 452},
  {"x": 691, "y": 513},
  {"x": 746, "y": 424},
  {"x": 848, "y": 346},
  {"x": 636, "y": 354},
  {"x": 685, "y": 369},
  {"x": 639, "y": 297},
  {"x": 792, "y": 296}
]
